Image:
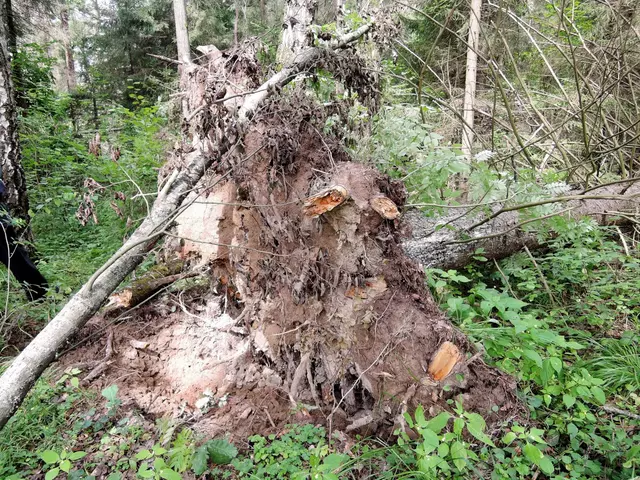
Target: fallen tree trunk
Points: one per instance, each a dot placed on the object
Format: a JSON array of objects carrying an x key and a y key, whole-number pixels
[
  {"x": 455, "y": 245},
  {"x": 207, "y": 149}
]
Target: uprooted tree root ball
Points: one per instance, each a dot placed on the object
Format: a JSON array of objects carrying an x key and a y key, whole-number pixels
[{"x": 313, "y": 305}]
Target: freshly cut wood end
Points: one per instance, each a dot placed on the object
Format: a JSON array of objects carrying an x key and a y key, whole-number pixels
[
  {"x": 385, "y": 207},
  {"x": 444, "y": 360},
  {"x": 325, "y": 201},
  {"x": 121, "y": 299}
]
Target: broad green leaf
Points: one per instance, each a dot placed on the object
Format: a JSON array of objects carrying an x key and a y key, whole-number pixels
[
  {"x": 169, "y": 474},
  {"x": 144, "y": 471},
  {"x": 546, "y": 465},
  {"x": 458, "y": 425},
  {"x": 572, "y": 430},
  {"x": 74, "y": 382},
  {"x": 459, "y": 455},
  {"x": 51, "y": 474},
  {"x": 599, "y": 395},
  {"x": 480, "y": 435},
  {"x": 508, "y": 438},
  {"x": 428, "y": 464},
  {"x": 547, "y": 371},
  {"x": 77, "y": 455},
  {"x": 143, "y": 455},
  {"x": 65, "y": 466},
  {"x": 533, "y": 453},
  {"x": 533, "y": 355},
  {"x": 513, "y": 303},
  {"x": 430, "y": 441},
  {"x": 200, "y": 460},
  {"x": 333, "y": 461},
  {"x": 475, "y": 420},
  {"x": 437, "y": 423},
  {"x": 49, "y": 457},
  {"x": 158, "y": 450},
  {"x": 221, "y": 452},
  {"x": 568, "y": 400},
  {"x": 110, "y": 393},
  {"x": 115, "y": 476},
  {"x": 408, "y": 419},
  {"x": 419, "y": 416},
  {"x": 583, "y": 391},
  {"x": 443, "y": 450},
  {"x": 556, "y": 363}
]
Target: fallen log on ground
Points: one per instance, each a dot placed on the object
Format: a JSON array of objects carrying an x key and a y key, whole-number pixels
[{"x": 455, "y": 245}]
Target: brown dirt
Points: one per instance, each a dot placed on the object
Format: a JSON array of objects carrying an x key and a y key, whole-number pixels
[{"x": 185, "y": 366}]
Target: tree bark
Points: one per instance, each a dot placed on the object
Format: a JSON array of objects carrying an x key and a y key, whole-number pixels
[
  {"x": 10, "y": 157},
  {"x": 298, "y": 17},
  {"x": 501, "y": 237},
  {"x": 182, "y": 34},
  {"x": 235, "y": 24},
  {"x": 70, "y": 65},
  {"x": 470, "y": 78},
  {"x": 17, "y": 380}
]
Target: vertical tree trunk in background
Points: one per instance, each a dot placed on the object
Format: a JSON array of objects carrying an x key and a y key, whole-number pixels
[
  {"x": 470, "y": 78},
  {"x": 12, "y": 173},
  {"x": 339, "y": 8},
  {"x": 11, "y": 30},
  {"x": 263, "y": 12},
  {"x": 235, "y": 24},
  {"x": 298, "y": 16},
  {"x": 184, "y": 50},
  {"x": 70, "y": 66},
  {"x": 182, "y": 34}
]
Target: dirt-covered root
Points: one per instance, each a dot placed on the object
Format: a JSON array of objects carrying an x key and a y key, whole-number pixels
[
  {"x": 321, "y": 312},
  {"x": 331, "y": 304}
]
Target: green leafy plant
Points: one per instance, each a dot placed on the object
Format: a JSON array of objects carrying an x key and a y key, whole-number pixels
[
  {"x": 151, "y": 464},
  {"x": 284, "y": 455},
  {"x": 442, "y": 454},
  {"x": 218, "y": 451},
  {"x": 59, "y": 462}
]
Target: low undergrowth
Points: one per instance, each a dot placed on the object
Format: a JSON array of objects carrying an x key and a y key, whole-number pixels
[{"x": 563, "y": 321}]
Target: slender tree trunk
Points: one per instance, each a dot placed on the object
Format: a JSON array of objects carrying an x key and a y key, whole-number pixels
[
  {"x": 339, "y": 8},
  {"x": 184, "y": 50},
  {"x": 470, "y": 79},
  {"x": 235, "y": 24},
  {"x": 70, "y": 66},
  {"x": 298, "y": 17},
  {"x": 10, "y": 159},
  {"x": 182, "y": 34},
  {"x": 263, "y": 12}
]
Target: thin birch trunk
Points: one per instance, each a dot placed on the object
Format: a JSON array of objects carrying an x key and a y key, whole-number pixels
[{"x": 470, "y": 78}]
